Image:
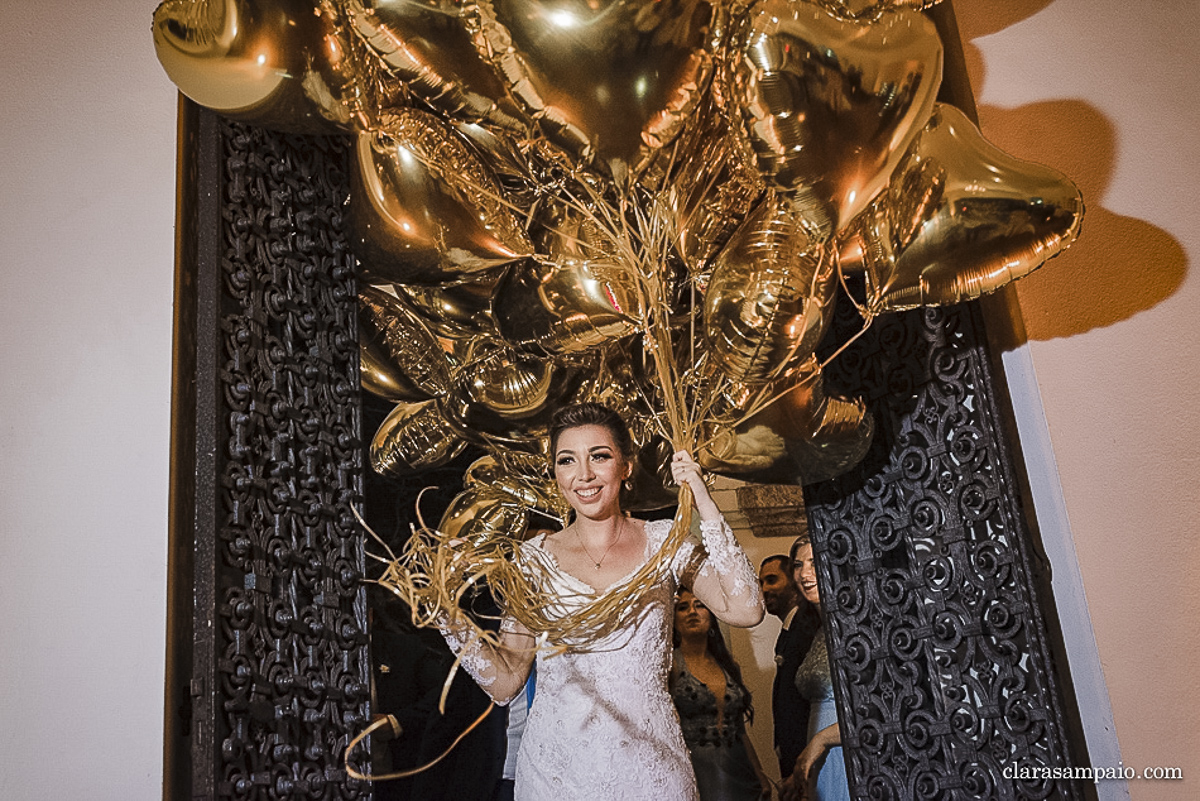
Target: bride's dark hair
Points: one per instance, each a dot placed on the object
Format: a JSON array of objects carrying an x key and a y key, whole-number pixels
[{"x": 591, "y": 414}]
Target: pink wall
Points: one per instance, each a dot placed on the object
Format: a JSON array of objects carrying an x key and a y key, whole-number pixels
[{"x": 1108, "y": 387}]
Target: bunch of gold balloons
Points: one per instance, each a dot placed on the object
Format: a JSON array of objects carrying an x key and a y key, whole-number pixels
[{"x": 649, "y": 203}]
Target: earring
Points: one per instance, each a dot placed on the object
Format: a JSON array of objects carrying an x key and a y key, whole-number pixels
[{"x": 629, "y": 485}]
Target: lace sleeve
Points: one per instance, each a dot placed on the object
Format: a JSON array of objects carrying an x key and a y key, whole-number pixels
[
  {"x": 725, "y": 580},
  {"x": 496, "y": 665},
  {"x": 686, "y": 562}
]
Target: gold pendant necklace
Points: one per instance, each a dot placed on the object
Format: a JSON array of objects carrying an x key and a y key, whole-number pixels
[{"x": 604, "y": 555}]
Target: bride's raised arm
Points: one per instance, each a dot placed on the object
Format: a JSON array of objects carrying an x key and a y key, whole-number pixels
[
  {"x": 725, "y": 581},
  {"x": 500, "y": 669}
]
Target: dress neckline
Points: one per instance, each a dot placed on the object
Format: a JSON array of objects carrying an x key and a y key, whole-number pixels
[
  {"x": 718, "y": 702},
  {"x": 683, "y": 668},
  {"x": 539, "y": 543}
]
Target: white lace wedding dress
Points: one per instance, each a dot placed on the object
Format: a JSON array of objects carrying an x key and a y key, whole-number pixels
[{"x": 602, "y": 726}]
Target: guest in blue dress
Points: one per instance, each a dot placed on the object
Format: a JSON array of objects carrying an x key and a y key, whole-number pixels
[
  {"x": 714, "y": 706},
  {"x": 820, "y": 772}
]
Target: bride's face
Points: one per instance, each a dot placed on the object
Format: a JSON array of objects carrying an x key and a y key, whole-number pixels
[{"x": 589, "y": 468}]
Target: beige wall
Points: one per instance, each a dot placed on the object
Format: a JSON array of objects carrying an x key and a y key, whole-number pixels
[
  {"x": 1106, "y": 389},
  {"x": 87, "y": 151}
]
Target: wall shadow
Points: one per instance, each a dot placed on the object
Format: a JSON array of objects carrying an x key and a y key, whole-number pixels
[
  {"x": 980, "y": 19},
  {"x": 1120, "y": 265}
]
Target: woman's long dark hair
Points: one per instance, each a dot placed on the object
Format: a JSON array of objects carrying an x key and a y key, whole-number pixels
[{"x": 714, "y": 643}]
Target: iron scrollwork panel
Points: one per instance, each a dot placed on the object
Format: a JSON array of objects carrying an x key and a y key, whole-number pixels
[
  {"x": 944, "y": 673},
  {"x": 280, "y": 669}
]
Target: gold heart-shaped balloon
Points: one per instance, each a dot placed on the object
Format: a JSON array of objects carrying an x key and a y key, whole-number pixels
[
  {"x": 502, "y": 395},
  {"x": 831, "y": 105},
  {"x": 712, "y": 182},
  {"x": 480, "y": 514},
  {"x": 770, "y": 296},
  {"x": 427, "y": 45},
  {"x": 424, "y": 208},
  {"x": 412, "y": 438},
  {"x": 826, "y": 434},
  {"x": 961, "y": 218},
  {"x": 285, "y": 64},
  {"x": 573, "y": 296},
  {"x": 564, "y": 307},
  {"x": 399, "y": 357},
  {"x": 608, "y": 80},
  {"x": 537, "y": 491},
  {"x": 865, "y": 9},
  {"x": 458, "y": 311}
]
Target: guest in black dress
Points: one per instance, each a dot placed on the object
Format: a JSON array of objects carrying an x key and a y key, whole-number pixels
[{"x": 714, "y": 707}]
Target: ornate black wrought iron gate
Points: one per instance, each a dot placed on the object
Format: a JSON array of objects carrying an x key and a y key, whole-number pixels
[
  {"x": 268, "y": 674},
  {"x": 944, "y": 674}
]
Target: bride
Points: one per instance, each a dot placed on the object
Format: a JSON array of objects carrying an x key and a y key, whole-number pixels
[{"x": 602, "y": 725}]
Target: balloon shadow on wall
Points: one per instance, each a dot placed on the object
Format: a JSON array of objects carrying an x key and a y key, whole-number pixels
[
  {"x": 1120, "y": 265},
  {"x": 981, "y": 19}
]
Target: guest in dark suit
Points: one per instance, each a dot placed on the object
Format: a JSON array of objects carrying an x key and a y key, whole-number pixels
[{"x": 790, "y": 710}]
